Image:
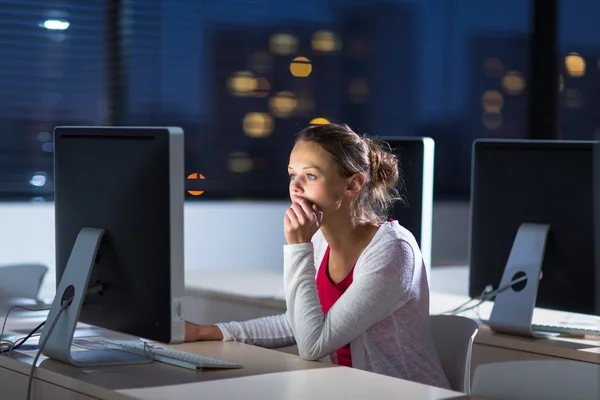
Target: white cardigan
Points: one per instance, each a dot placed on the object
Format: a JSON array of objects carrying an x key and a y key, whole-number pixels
[{"x": 384, "y": 314}]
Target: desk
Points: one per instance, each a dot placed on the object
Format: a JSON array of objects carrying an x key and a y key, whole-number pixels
[
  {"x": 490, "y": 346},
  {"x": 267, "y": 374}
]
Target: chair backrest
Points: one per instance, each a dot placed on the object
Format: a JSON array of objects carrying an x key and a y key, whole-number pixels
[
  {"x": 453, "y": 337},
  {"x": 21, "y": 280},
  {"x": 529, "y": 380}
]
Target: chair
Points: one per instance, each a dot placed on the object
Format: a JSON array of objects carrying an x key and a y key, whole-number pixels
[
  {"x": 453, "y": 338},
  {"x": 529, "y": 380},
  {"x": 21, "y": 280}
]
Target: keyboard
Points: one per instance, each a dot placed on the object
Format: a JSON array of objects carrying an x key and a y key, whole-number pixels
[
  {"x": 169, "y": 356},
  {"x": 567, "y": 330}
]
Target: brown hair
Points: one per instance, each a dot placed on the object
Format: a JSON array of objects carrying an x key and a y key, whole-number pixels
[{"x": 353, "y": 153}]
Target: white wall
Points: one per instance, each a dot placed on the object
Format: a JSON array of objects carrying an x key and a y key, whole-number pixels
[
  {"x": 218, "y": 235},
  {"x": 450, "y": 242}
]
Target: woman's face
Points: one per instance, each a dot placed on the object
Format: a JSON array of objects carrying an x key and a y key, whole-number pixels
[{"x": 315, "y": 177}]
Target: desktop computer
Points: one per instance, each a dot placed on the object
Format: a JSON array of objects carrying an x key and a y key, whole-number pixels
[
  {"x": 119, "y": 195},
  {"x": 531, "y": 235},
  {"x": 415, "y": 213}
]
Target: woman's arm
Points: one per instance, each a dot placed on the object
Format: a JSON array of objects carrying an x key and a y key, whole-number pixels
[
  {"x": 270, "y": 332},
  {"x": 380, "y": 286}
]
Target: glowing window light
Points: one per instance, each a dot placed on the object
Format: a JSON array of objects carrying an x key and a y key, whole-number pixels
[
  {"x": 300, "y": 67},
  {"x": 55, "y": 24},
  {"x": 319, "y": 121},
  {"x": 492, "y": 101},
  {"x": 575, "y": 65}
]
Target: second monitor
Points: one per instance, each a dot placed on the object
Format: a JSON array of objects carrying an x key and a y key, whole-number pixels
[
  {"x": 416, "y": 161},
  {"x": 549, "y": 183}
]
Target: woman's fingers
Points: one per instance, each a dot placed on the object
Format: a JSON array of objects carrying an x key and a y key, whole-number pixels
[
  {"x": 301, "y": 216},
  {"x": 292, "y": 218}
]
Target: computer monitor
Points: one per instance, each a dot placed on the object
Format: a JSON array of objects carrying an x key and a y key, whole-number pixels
[
  {"x": 119, "y": 196},
  {"x": 415, "y": 213},
  {"x": 596, "y": 177},
  {"x": 545, "y": 183}
]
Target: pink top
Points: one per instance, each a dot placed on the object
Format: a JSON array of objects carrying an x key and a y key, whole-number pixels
[{"x": 329, "y": 293}]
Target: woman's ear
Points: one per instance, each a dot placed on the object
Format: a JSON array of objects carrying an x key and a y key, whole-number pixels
[{"x": 355, "y": 184}]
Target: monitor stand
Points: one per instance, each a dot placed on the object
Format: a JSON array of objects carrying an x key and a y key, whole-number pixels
[
  {"x": 513, "y": 308},
  {"x": 73, "y": 285}
]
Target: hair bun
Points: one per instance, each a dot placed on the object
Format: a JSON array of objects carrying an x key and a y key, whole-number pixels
[{"x": 384, "y": 165}]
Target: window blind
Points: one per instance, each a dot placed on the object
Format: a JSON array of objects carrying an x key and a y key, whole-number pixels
[{"x": 53, "y": 71}]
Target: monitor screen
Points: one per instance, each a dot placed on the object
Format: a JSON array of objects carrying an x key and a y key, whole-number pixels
[
  {"x": 416, "y": 161},
  {"x": 546, "y": 182},
  {"x": 128, "y": 182}
]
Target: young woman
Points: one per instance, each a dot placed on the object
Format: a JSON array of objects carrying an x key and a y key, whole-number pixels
[{"x": 355, "y": 283}]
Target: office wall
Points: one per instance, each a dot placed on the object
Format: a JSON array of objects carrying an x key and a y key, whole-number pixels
[{"x": 219, "y": 235}]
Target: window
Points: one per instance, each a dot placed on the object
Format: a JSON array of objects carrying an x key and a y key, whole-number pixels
[
  {"x": 52, "y": 72},
  {"x": 243, "y": 76},
  {"x": 579, "y": 69}
]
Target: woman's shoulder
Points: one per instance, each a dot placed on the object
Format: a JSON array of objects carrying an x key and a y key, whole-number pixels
[
  {"x": 392, "y": 231},
  {"x": 393, "y": 242}
]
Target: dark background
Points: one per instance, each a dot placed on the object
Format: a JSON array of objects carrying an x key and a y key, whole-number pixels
[{"x": 453, "y": 70}]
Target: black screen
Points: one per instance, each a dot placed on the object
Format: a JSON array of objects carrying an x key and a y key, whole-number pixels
[
  {"x": 515, "y": 182},
  {"x": 409, "y": 211},
  {"x": 119, "y": 183}
]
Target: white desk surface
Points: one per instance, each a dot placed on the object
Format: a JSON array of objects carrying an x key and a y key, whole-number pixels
[
  {"x": 267, "y": 374},
  {"x": 328, "y": 383}
]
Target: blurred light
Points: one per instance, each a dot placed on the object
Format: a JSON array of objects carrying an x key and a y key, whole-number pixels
[
  {"x": 300, "y": 67},
  {"x": 38, "y": 199},
  {"x": 44, "y": 136},
  {"x": 358, "y": 90},
  {"x": 319, "y": 121},
  {"x": 492, "y": 101},
  {"x": 239, "y": 162},
  {"x": 261, "y": 62},
  {"x": 492, "y": 121},
  {"x": 513, "y": 83},
  {"x": 573, "y": 98},
  {"x": 324, "y": 42},
  {"x": 55, "y": 24},
  {"x": 575, "y": 65},
  {"x": 493, "y": 67},
  {"x": 283, "y": 44},
  {"x": 48, "y": 147},
  {"x": 242, "y": 83},
  {"x": 258, "y": 124},
  {"x": 283, "y": 104},
  {"x": 38, "y": 179},
  {"x": 262, "y": 88}
]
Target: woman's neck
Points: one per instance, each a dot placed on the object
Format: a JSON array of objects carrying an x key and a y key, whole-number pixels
[{"x": 346, "y": 238}]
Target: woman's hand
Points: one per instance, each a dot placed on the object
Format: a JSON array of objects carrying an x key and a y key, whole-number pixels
[
  {"x": 194, "y": 332},
  {"x": 301, "y": 221}
]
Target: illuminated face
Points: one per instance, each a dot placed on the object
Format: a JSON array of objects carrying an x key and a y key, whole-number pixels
[{"x": 315, "y": 176}]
